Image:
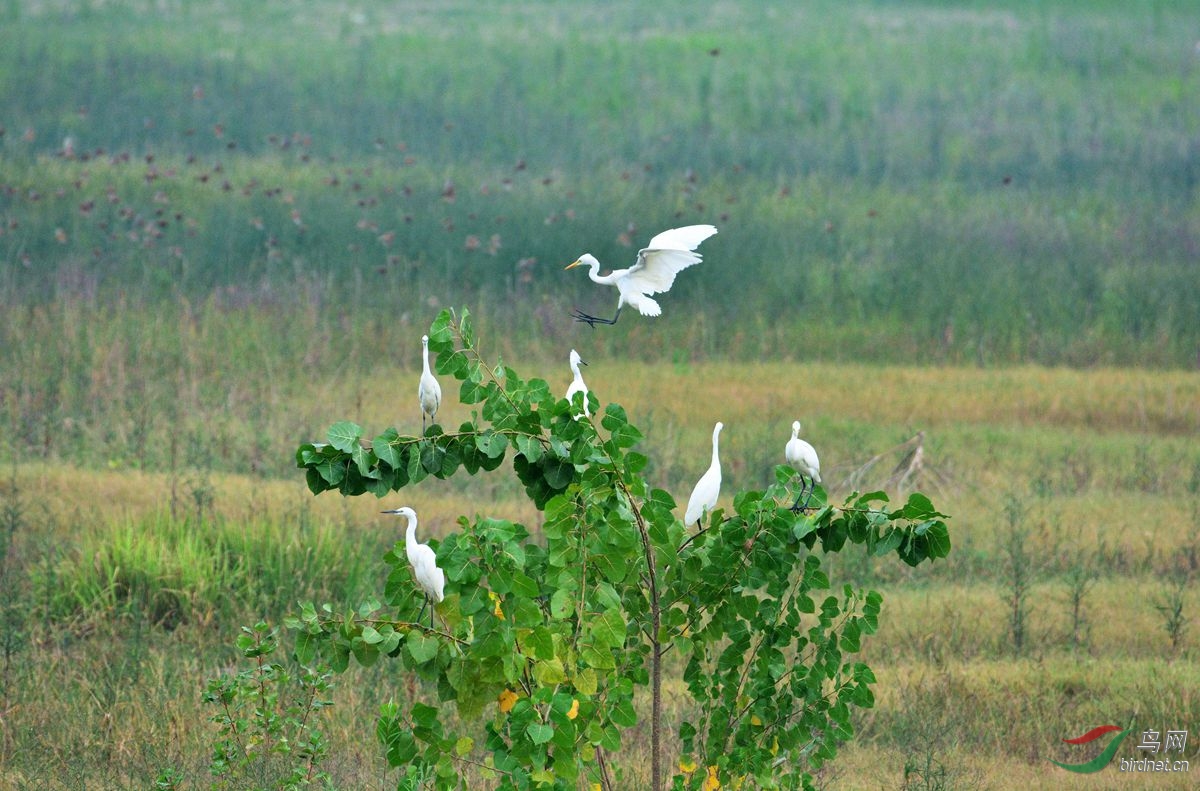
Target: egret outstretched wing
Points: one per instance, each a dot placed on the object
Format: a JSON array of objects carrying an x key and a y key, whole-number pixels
[{"x": 668, "y": 254}]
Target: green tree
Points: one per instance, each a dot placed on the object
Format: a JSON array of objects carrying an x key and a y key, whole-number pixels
[{"x": 547, "y": 642}]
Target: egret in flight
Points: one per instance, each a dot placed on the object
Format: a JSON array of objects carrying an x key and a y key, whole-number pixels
[
  {"x": 429, "y": 393},
  {"x": 708, "y": 488},
  {"x": 667, "y": 255},
  {"x": 803, "y": 459},
  {"x": 430, "y": 578},
  {"x": 577, "y": 386}
]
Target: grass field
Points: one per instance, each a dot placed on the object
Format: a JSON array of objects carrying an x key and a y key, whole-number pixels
[
  {"x": 135, "y": 609},
  {"x": 223, "y": 229}
]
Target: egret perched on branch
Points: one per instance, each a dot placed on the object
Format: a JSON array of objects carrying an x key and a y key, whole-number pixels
[
  {"x": 577, "y": 386},
  {"x": 803, "y": 459},
  {"x": 429, "y": 393},
  {"x": 667, "y": 255},
  {"x": 708, "y": 488},
  {"x": 430, "y": 578}
]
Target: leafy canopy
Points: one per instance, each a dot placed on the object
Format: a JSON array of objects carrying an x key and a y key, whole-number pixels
[{"x": 545, "y": 640}]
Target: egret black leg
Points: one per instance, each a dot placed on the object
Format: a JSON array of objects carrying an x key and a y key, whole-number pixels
[
  {"x": 592, "y": 321},
  {"x": 422, "y": 612},
  {"x": 805, "y": 486}
]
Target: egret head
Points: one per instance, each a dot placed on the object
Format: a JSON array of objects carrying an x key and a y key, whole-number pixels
[
  {"x": 402, "y": 511},
  {"x": 587, "y": 259},
  {"x": 795, "y": 428},
  {"x": 717, "y": 428},
  {"x": 424, "y": 340},
  {"x": 576, "y": 360}
]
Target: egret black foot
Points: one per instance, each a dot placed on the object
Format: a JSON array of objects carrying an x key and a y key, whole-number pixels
[{"x": 591, "y": 321}]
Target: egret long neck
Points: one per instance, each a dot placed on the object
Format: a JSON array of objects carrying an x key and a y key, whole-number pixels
[
  {"x": 410, "y": 534},
  {"x": 716, "y": 460},
  {"x": 594, "y": 274},
  {"x": 425, "y": 357}
]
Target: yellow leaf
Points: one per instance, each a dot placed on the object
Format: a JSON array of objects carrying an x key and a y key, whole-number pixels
[
  {"x": 711, "y": 783},
  {"x": 594, "y": 787},
  {"x": 754, "y": 720},
  {"x": 507, "y": 699},
  {"x": 574, "y": 712},
  {"x": 687, "y": 765},
  {"x": 495, "y": 597}
]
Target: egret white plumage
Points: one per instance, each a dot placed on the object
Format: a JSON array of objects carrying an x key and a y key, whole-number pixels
[
  {"x": 803, "y": 459},
  {"x": 429, "y": 392},
  {"x": 577, "y": 385},
  {"x": 708, "y": 488},
  {"x": 430, "y": 578},
  {"x": 657, "y": 264}
]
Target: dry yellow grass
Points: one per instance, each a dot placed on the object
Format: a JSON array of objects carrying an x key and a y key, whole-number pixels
[{"x": 1103, "y": 463}]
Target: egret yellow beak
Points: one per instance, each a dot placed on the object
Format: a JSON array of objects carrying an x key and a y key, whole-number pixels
[{"x": 571, "y": 266}]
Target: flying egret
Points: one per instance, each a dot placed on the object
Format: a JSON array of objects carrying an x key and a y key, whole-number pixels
[
  {"x": 667, "y": 255},
  {"x": 708, "y": 488},
  {"x": 429, "y": 393},
  {"x": 803, "y": 459},
  {"x": 577, "y": 386},
  {"x": 430, "y": 578}
]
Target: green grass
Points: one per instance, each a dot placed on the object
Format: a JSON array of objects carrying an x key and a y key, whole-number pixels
[{"x": 1036, "y": 207}]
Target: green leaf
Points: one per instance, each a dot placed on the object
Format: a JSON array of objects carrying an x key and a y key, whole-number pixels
[
  {"x": 344, "y": 435},
  {"x": 306, "y": 648},
  {"x": 441, "y": 337},
  {"x": 549, "y": 671},
  {"x": 316, "y": 482},
  {"x": 864, "y": 501},
  {"x": 362, "y": 458},
  {"x": 585, "y": 681},
  {"x": 939, "y": 539},
  {"x": 332, "y": 471},
  {"x": 385, "y": 451},
  {"x": 562, "y": 603},
  {"x": 623, "y": 714},
  {"x": 540, "y": 643},
  {"x": 539, "y": 733},
  {"x": 491, "y": 444},
  {"x": 398, "y": 741},
  {"x": 558, "y": 474},
  {"x": 529, "y": 447},
  {"x": 608, "y": 630},
  {"x": 598, "y": 658},
  {"x": 888, "y": 542},
  {"x": 523, "y": 585},
  {"x": 421, "y": 648}
]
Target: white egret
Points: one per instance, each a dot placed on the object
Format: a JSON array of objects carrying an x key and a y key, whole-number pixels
[
  {"x": 430, "y": 578},
  {"x": 667, "y": 255},
  {"x": 803, "y": 459},
  {"x": 429, "y": 393},
  {"x": 708, "y": 488},
  {"x": 577, "y": 385}
]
